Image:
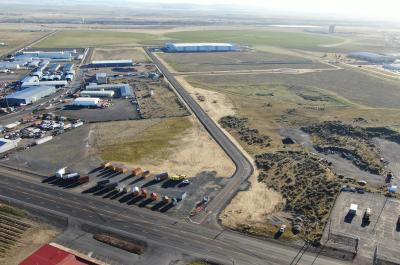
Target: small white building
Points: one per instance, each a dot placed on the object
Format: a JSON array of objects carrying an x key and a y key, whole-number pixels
[
  {"x": 98, "y": 93},
  {"x": 7, "y": 145},
  {"x": 86, "y": 102},
  {"x": 101, "y": 78}
]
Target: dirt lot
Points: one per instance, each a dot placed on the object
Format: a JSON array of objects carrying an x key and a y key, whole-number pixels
[
  {"x": 121, "y": 109},
  {"x": 380, "y": 231},
  {"x": 177, "y": 145},
  {"x": 226, "y": 61},
  {"x": 136, "y": 54}
]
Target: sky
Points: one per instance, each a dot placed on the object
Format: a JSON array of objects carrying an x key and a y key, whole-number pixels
[{"x": 363, "y": 9}]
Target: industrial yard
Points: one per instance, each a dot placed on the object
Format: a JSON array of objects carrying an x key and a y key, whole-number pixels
[{"x": 164, "y": 141}]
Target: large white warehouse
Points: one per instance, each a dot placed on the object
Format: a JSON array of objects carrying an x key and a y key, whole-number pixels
[
  {"x": 200, "y": 47},
  {"x": 86, "y": 102}
]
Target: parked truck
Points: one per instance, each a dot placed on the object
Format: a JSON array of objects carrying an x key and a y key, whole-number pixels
[
  {"x": 153, "y": 196},
  {"x": 146, "y": 174},
  {"x": 70, "y": 176},
  {"x": 103, "y": 182},
  {"x": 105, "y": 164},
  {"x": 135, "y": 191},
  {"x": 161, "y": 176},
  {"x": 137, "y": 171},
  {"x": 61, "y": 172},
  {"x": 83, "y": 179},
  {"x": 353, "y": 209},
  {"x": 144, "y": 193},
  {"x": 111, "y": 185},
  {"x": 177, "y": 177},
  {"x": 166, "y": 199}
]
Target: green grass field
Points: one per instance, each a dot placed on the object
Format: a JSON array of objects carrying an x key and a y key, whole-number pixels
[
  {"x": 294, "y": 40},
  {"x": 94, "y": 38}
]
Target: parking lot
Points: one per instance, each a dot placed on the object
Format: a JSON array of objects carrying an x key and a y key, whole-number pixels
[{"x": 382, "y": 230}]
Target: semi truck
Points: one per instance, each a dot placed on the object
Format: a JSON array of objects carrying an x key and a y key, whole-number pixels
[
  {"x": 166, "y": 199},
  {"x": 135, "y": 191},
  {"x": 137, "y": 171},
  {"x": 177, "y": 177},
  {"x": 70, "y": 176},
  {"x": 153, "y": 196},
  {"x": 61, "y": 172},
  {"x": 146, "y": 174},
  {"x": 161, "y": 176},
  {"x": 83, "y": 179}
]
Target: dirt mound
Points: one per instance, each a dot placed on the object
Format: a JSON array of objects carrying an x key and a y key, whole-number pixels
[{"x": 354, "y": 143}]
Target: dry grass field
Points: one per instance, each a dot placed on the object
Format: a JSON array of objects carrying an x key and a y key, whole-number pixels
[
  {"x": 17, "y": 39},
  {"x": 226, "y": 61},
  {"x": 136, "y": 54}
]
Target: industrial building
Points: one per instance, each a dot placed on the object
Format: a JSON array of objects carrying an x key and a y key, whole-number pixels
[
  {"x": 30, "y": 79},
  {"x": 59, "y": 83},
  {"x": 54, "y": 67},
  {"x": 200, "y": 47},
  {"x": 123, "y": 90},
  {"x": 29, "y": 95},
  {"x": 68, "y": 68},
  {"x": 52, "y": 56},
  {"x": 98, "y": 93},
  {"x": 101, "y": 78},
  {"x": 7, "y": 145},
  {"x": 10, "y": 65},
  {"x": 111, "y": 63},
  {"x": 371, "y": 57},
  {"x": 86, "y": 102},
  {"x": 52, "y": 254},
  {"x": 393, "y": 66}
]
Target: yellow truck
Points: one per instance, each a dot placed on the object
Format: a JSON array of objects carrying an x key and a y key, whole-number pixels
[{"x": 178, "y": 177}]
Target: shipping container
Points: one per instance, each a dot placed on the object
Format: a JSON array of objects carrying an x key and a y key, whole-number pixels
[
  {"x": 161, "y": 176},
  {"x": 70, "y": 175},
  {"x": 137, "y": 171},
  {"x": 84, "y": 179}
]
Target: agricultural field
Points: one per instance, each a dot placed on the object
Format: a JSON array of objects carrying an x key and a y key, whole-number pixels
[
  {"x": 94, "y": 38},
  {"x": 17, "y": 39},
  {"x": 292, "y": 40},
  {"x": 20, "y": 236},
  {"x": 231, "y": 61},
  {"x": 349, "y": 85},
  {"x": 133, "y": 53}
]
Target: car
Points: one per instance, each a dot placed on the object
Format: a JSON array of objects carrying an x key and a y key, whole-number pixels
[
  {"x": 185, "y": 182},
  {"x": 282, "y": 228}
]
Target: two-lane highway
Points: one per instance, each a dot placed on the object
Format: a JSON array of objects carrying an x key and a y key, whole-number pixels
[{"x": 244, "y": 168}]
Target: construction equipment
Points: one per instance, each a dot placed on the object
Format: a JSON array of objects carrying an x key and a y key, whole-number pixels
[{"x": 177, "y": 177}]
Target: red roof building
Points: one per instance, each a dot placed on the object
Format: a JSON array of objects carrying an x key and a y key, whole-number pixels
[{"x": 51, "y": 255}]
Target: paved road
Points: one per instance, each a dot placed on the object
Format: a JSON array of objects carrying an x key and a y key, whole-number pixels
[
  {"x": 216, "y": 244},
  {"x": 243, "y": 166}
]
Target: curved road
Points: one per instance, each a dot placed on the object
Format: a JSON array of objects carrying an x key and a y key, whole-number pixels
[{"x": 243, "y": 166}]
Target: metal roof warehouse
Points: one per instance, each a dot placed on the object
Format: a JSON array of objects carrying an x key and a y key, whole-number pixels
[
  {"x": 28, "y": 95},
  {"x": 112, "y": 63}
]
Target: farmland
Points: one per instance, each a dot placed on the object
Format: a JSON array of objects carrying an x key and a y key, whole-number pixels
[
  {"x": 251, "y": 60},
  {"x": 16, "y": 39},
  {"x": 292, "y": 40},
  {"x": 94, "y": 38},
  {"x": 351, "y": 85},
  {"x": 133, "y": 53}
]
